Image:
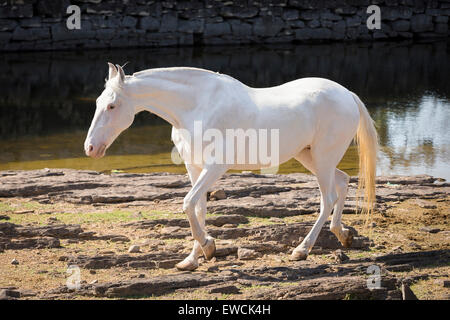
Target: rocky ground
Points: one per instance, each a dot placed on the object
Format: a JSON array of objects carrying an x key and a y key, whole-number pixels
[{"x": 125, "y": 233}]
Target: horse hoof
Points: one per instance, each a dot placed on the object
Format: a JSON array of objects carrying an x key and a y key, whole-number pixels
[
  {"x": 298, "y": 255},
  {"x": 347, "y": 239},
  {"x": 187, "y": 265},
  {"x": 209, "y": 249}
]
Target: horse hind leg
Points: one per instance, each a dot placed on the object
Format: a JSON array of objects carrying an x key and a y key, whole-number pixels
[
  {"x": 324, "y": 171},
  {"x": 343, "y": 234}
]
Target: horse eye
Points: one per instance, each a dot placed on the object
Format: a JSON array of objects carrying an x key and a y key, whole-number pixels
[{"x": 110, "y": 107}]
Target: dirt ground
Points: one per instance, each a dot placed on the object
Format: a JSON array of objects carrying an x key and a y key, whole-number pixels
[{"x": 107, "y": 271}]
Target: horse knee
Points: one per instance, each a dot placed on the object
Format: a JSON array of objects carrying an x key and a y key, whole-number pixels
[{"x": 188, "y": 206}]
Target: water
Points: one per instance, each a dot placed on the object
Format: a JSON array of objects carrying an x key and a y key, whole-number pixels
[{"x": 47, "y": 101}]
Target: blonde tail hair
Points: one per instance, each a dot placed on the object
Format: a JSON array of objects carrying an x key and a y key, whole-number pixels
[{"x": 367, "y": 141}]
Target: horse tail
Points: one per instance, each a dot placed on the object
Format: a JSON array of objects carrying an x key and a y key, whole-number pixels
[{"x": 367, "y": 141}]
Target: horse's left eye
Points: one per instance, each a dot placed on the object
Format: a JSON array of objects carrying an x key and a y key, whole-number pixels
[{"x": 110, "y": 107}]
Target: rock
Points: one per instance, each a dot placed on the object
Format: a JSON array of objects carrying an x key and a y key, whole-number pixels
[
  {"x": 114, "y": 238},
  {"x": 216, "y": 29},
  {"x": 291, "y": 14},
  {"x": 170, "y": 230},
  {"x": 29, "y": 243},
  {"x": 169, "y": 22},
  {"x": 247, "y": 254},
  {"x": 441, "y": 28},
  {"x": 407, "y": 293},
  {"x": 227, "y": 289},
  {"x": 414, "y": 246},
  {"x": 397, "y": 249},
  {"x": 14, "y": 261},
  {"x": 134, "y": 249},
  {"x": 401, "y": 25},
  {"x": 52, "y": 8},
  {"x": 129, "y": 22},
  {"x": 226, "y": 219},
  {"x": 399, "y": 268},
  {"x": 7, "y": 24},
  {"x": 229, "y": 225},
  {"x": 268, "y": 26},
  {"x": 23, "y": 211},
  {"x": 158, "y": 285},
  {"x": 191, "y": 26},
  {"x": 421, "y": 23},
  {"x": 4, "y": 217},
  {"x": 331, "y": 288},
  {"x": 9, "y": 294},
  {"x": 340, "y": 256},
  {"x": 430, "y": 229},
  {"x": 93, "y": 281},
  {"x": 218, "y": 195}
]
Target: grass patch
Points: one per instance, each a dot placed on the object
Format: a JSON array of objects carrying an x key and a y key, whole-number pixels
[{"x": 114, "y": 216}]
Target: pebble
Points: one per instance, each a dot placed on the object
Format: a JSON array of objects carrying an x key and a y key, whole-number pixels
[
  {"x": 430, "y": 229},
  {"x": 218, "y": 195},
  {"x": 229, "y": 225},
  {"x": 247, "y": 254},
  {"x": 340, "y": 256},
  {"x": 14, "y": 261},
  {"x": 134, "y": 249},
  {"x": 225, "y": 290}
]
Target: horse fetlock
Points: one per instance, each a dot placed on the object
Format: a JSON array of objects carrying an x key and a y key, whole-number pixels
[
  {"x": 209, "y": 248},
  {"x": 188, "y": 264}
]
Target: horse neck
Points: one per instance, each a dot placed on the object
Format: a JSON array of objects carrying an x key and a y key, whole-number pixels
[{"x": 170, "y": 97}]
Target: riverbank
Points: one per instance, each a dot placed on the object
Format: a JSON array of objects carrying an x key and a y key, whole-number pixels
[{"x": 51, "y": 219}]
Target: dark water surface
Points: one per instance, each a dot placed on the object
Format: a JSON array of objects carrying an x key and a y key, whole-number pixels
[{"x": 47, "y": 101}]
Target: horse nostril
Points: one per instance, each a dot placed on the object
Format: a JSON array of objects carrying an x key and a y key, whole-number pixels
[{"x": 91, "y": 148}]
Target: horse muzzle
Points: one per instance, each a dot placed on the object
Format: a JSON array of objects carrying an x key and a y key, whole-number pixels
[{"x": 95, "y": 152}]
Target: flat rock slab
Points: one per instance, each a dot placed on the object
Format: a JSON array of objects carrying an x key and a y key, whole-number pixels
[
  {"x": 14, "y": 236},
  {"x": 157, "y": 285},
  {"x": 294, "y": 280},
  {"x": 247, "y": 194}
]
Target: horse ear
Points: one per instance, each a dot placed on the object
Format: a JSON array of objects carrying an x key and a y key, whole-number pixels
[
  {"x": 112, "y": 71},
  {"x": 121, "y": 73}
]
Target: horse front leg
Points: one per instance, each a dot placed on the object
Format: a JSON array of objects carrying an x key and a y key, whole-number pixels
[
  {"x": 190, "y": 263},
  {"x": 208, "y": 176}
]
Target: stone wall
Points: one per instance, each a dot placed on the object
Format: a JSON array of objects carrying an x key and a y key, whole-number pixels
[{"x": 41, "y": 24}]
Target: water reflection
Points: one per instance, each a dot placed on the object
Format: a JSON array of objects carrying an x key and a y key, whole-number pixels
[{"x": 47, "y": 100}]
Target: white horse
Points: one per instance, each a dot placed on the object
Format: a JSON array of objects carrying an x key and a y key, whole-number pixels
[{"x": 317, "y": 120}]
